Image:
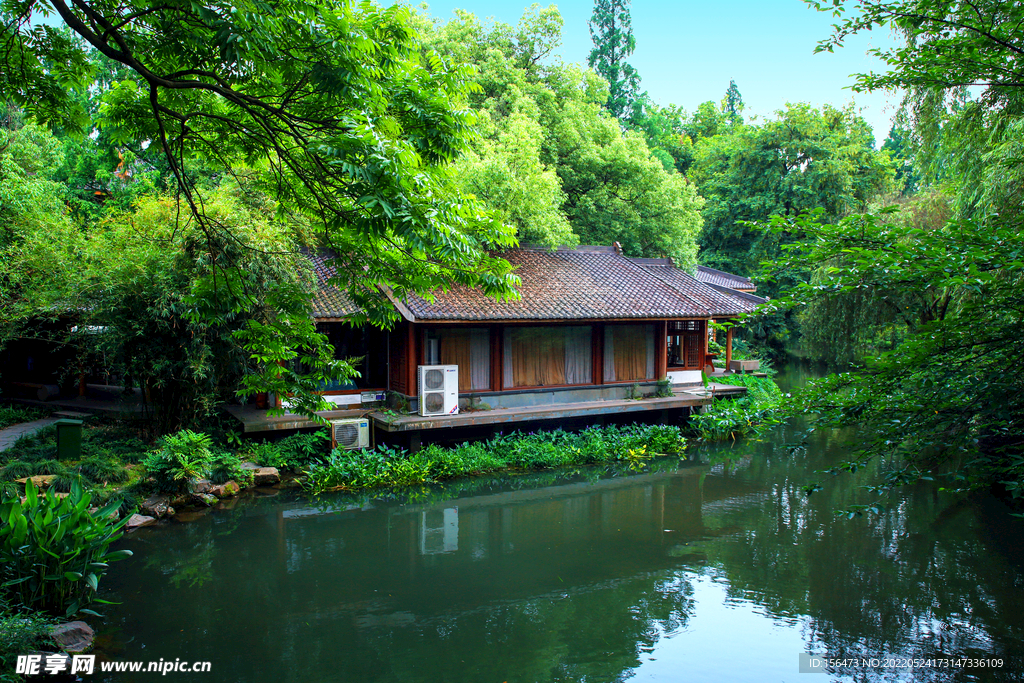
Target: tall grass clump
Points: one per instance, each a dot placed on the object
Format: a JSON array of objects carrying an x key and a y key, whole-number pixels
[{"x": 387, "y": 466}]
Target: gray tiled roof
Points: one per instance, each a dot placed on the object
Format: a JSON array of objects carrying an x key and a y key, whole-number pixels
[
  {"x": 329, "y": 302},
  {"x": 724, "y": 279},
  {"x": 708, "y": 298},
  {"x": 588, "y": 283}
]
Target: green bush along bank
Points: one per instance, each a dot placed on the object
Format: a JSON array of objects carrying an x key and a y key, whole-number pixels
[{"x": 385, "y": 466}]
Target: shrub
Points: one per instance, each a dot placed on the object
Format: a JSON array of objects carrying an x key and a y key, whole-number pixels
[
  {"x": 184, "y": 457},
  {"x": 53, "y": 551},
  {"x": 20, "y": 634},
  {"x": 634, "y": 445},
  {"x": 741, "y": 416},
  {"x": 294, "y": 452},
  {"x": 228, "y": 467}
]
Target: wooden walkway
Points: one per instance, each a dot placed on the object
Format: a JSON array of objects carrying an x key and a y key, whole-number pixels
[{"x": 255, "y": 420}]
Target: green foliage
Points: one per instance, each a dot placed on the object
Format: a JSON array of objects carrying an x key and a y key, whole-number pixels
[
  {"x": 732, "y": 103},
  {"x": 183, "y": 458},
  {"x": 12, "y": 415},
  {"x": 225, "y": 467},
  {"x": 53, "y": 551},
  {"x": 611, "y": 29},
  {"x": 100, "y": 470},
  {"x": 384, "y": 466},
  {"x": 843, "y": 325},
  {"x": 16, "y": 469},
  {"x": 802, "y": 160},
  {"x": 961, "y": 65},
  {"x": 294, "y": 452},
  {"x": 946, "y": 398},
  {"x": 49, "y": 467},
  {"x": 750, "y": 414},
  {"x": 550, "y": 161},
  {"x": 21, "y": 633},
  {"x": 338, "y": 132}
]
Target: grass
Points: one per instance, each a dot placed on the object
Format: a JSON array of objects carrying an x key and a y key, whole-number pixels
[{"x": 14, "y": 414}]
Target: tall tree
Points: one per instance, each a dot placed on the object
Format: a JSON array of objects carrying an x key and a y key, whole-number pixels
[
  {"x": 350, "y": 123},
  {"x": 337, "y": 111},
  {"x": 732, "y": 104},
  {"x": 611, "y": 29},
  {"x": 947, "y": 399},
  {"x": 550, "y": 160}
]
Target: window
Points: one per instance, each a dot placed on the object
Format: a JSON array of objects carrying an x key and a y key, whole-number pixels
[
  {"x": 467, "y": 347},
  {"x": 367, "y": 346},
  {"x": 686, "y": 344},
  {"x": 628, "y": 353},
  {"x": 547, "y": 356}
]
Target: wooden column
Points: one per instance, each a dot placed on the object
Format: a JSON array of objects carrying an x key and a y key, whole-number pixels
[
  {"x": 597, "y": 353},
  {"x": 728, "y": 347},
  {"x": 661, "y": 349},
  {"x": 704, "y": 346},
  {"x": 412, "y": 359},
  {"x": 497, "y": 357}
]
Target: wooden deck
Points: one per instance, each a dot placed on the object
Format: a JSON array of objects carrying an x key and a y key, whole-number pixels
[{"x": 255, "y": 420}]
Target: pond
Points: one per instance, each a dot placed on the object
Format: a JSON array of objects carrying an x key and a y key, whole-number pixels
[{"x": 717, "y": 570}]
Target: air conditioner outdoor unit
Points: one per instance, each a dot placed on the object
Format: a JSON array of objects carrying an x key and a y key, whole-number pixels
[
  {"x": 438, "y": 389},
  {"x": 351, "y": 434}
]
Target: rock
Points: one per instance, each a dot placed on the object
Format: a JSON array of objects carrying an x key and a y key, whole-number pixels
[
  {"x": 225, "y": 490},
  {"x": 136, "y": 521},
  {"x": 204, "y": 499},
  {"x": 74, "y": 636},
  {"x": 40, "y": 481},
  {"x": 265, "y": 476},
  {"x": 249, "y": 466},
  {"x": 157, "y": 506},
  {"x": 202, "y": 486},
  {"x": 226, "y": 504},
  {"x": 190, "y": 516},
  {"x": 182, "y": 500}
]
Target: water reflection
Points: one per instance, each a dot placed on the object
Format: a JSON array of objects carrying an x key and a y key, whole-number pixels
[{"x": 721, "y": 571}]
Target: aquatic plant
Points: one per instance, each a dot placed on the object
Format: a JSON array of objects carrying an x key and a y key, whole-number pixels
[
  {"x": 53, "y": 550},
  {"x": 742, "y": 416},
  {"x": 389, "y": 466}
]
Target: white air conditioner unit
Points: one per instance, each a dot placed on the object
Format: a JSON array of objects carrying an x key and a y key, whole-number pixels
[
  {"x": 438, "y": 389},
  {"x": 351, "y": 434}
]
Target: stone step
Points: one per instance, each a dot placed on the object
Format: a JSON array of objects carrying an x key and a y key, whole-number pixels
[{"x": 71, "y": 415}]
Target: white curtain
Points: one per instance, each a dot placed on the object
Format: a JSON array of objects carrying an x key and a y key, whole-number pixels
[
  {"x": 578, "y": 365},
  {"x": 609, "y": 354},
  {"x": 640, "y": 339},
  {"x": 480, "y": 358}
]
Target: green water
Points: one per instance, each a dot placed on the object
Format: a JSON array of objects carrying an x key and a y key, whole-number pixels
[{"x": 722, "y": 571}]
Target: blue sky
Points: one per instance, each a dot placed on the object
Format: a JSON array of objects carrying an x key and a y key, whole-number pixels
[{"x": 687, "y": 51}]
